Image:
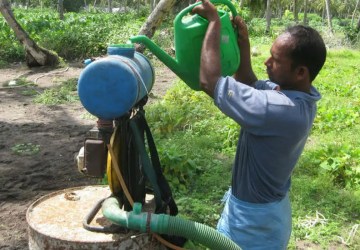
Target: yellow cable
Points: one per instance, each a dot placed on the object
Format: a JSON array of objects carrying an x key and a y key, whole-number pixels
[
  {"x": 114, "y": 184},
  {"x": 130, "y": 199},
  {"x": 167, "y": 243},
  {"x": 121, "y": 179}
]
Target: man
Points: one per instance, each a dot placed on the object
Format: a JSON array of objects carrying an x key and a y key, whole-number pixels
[{"x": 275, "y": 117}]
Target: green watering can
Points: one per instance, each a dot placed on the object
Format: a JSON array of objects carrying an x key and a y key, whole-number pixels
[{"x": 189, "y": 33}]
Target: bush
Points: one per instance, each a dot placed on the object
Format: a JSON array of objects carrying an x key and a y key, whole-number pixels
[
  {"x": 73, "y": 6},
  {"x": 79, "y": 36}
]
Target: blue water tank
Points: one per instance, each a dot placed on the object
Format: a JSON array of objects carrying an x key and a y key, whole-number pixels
[{"x": 109, "y": 87}]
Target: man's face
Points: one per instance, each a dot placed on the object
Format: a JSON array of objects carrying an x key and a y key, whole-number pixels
[{"x": 278, "y": 65}]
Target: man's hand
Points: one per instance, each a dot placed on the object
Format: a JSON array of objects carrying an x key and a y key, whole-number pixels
[
  {"x": 245, "y": 73},
  {"x": 206, "y": 10},
  {"x": 243, "y": 34}
]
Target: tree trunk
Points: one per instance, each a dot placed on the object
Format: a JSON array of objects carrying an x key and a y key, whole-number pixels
[
  {"x": 241, "y": 3},
  {"x": 35, "y": 56},
  {"x": 278, "y": 9},
  {"x": 328, "y": 13},
  {"x": 154, "y": 20},
  {"x": 61, "y": 9},
  {"x": 268, "y": 16},
  {"x": 305, "y": 21},
  {"x": 296, "y": 17},
  {"x": 86, "y": 7},
  {"x": 110, "y": 6},
  {"x": 353, "y": 15},
  {"x": 152, "y": 5}
]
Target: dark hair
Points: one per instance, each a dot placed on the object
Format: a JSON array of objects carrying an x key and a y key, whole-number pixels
[{"x": 309, "y": 49}]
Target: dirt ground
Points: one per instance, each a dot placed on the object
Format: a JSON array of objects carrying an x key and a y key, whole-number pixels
[{"x": 59, "y": 130}]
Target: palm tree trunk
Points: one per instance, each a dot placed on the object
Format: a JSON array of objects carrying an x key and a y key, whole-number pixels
[
  {"x": 328, "y": 13},
  {"x": 35, "y": 56},
  {"x": 110, "y": 6},
  {"x": 296, "y": 17},
  {"x": 152, "y": 5},
  {"x": 305, "y": 11},
  {"x": 268, "y": 16},
  {"x": 155, "y": 19},
  {"x": 61, "y": 9},
  {"x": 353, "y": 15},
  {"x": 241, "y": 3}
]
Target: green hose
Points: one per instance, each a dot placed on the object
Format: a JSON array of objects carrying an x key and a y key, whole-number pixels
[{"x": 166, "y": 224}]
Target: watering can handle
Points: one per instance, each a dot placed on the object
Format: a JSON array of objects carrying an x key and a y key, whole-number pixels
[{"x": 190, "y": 7}]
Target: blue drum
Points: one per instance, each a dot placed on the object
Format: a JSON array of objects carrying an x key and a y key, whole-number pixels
[{"x": 109, "y": 87}]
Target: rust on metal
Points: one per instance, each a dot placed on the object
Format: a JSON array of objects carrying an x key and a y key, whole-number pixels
[{"x": 55, "y": 222}]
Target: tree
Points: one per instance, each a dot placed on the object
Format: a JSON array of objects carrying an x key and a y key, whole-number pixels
[
  {"x": 110, "y": 6},
  {"x": 241, "y": 3},
  {"x": 155, "y": 19},
  {"x": 296, "y": 17},
  {"x": 35, "y": 55},
  {"x": 328, "y": 13},
  {"x": 268, "y": 16},
  {"x": 353, "y": 15},
  {"x": 305, "y": 11},
  {"x": 61, "y": 9},
  {"x": 152, "y": 5}
]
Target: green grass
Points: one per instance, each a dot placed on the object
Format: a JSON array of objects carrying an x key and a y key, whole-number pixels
[
  {"x": 19, "y": 82},
  {"x": 64, "y": 93},
  {"x": 25, "y": 149}
]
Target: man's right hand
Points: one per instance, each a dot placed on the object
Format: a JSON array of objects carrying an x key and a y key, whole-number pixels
[{"x": 206, "y": 10}]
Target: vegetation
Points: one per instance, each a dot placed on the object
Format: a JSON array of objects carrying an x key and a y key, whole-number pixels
[
  {"x": 79, "y": 36},
  {"x": 87, "y": 33},
  {"x": 64, "y": 93},
  {"x": 197, "y": 143},
  {"x": 26, "y": 149}
]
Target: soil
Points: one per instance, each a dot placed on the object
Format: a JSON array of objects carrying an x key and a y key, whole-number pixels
[{"x": 59, "y": 132}]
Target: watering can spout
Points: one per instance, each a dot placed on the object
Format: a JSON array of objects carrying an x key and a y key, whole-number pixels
[{"x": 170, "y": 62}]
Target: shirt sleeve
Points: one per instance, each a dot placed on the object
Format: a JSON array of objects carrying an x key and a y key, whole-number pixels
[
  {"x": 244, "y": 104},
  {"x": 265, "y": 85}
]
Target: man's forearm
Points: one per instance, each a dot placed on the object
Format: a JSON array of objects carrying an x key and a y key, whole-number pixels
[
  {"x": 210, "y": 65},
  {"x": 245, "y": 73}
]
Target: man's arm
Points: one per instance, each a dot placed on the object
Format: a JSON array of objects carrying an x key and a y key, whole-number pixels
[
  {"x": 210, "y": 64},
  {"x": 245, "y": 73}
]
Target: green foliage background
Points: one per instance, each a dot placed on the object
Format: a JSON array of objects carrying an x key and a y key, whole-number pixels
[
  {"x": 87, "y": 34},
  {"x": 79, "y": 36}
]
